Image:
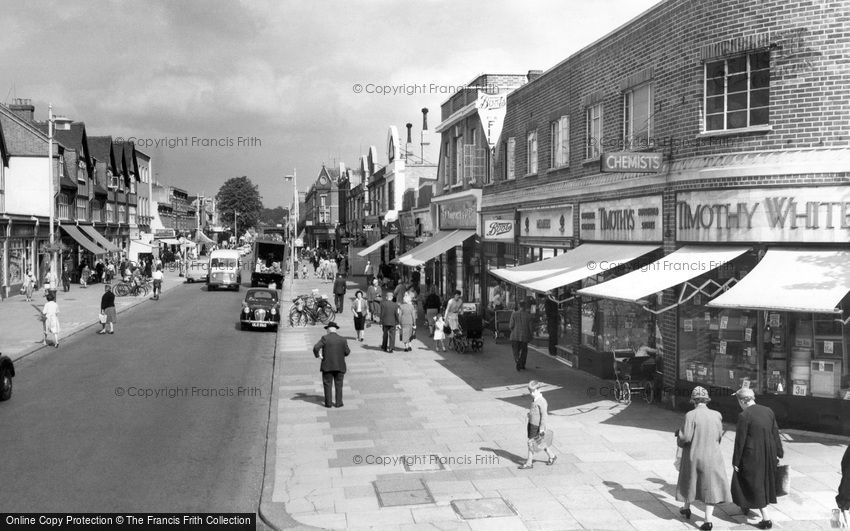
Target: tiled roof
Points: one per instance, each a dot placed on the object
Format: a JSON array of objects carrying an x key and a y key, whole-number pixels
[
  {"x": 100, "y": 148},
  {"x": 22, "y": 138}
]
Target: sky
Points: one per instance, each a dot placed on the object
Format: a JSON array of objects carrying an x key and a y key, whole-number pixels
[{"x": 217, "y": 89}]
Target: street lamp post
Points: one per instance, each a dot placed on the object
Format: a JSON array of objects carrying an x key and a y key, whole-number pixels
[
  {"x": 293, "y": 214},
  {"x": 51, "y": 195}
]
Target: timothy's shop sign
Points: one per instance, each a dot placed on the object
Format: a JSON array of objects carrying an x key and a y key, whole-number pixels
[
  {"x": 819, "y": 214},
  {"x": 498, "y": 229}
]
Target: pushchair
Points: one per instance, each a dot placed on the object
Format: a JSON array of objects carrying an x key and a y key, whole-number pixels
[{"x": 467, "y": 337}]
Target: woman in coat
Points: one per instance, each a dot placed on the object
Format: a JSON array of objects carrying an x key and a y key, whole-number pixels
[
  {"x": 407, "y": 320},
  {"x": 702, "y": 475},
  {"x": 757, "y": 452},
  {"x": 359, "y": 309}
]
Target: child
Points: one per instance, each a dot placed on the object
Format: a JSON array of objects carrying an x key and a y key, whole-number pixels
[
  {"x": 439, "y": 334},
  {"x": 304, "y": 270}
]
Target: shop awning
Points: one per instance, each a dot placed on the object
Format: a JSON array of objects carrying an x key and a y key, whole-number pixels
[
  {"x": 582, "y": 262},
  {"x": 676, "y": 268},
  {"x": 169, "y": 241},
  {"x": 377, "y": 245},
  {"x": 792, "y": 280},
  {"x": 200, "y": 237},
  {"x": 90, "y": 246},
  {"x": 100, "y": 239},
  {"x": 435, "y": 246}
]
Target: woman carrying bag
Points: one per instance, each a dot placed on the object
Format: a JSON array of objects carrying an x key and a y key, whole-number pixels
[
  {"x": 539, "y": 434},
  {"x": 702, "y": 475}
]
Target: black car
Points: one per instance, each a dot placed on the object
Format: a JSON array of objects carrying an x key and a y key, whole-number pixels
[
  {"x": 7, "y": 371},
  {"x": 260, "y": 309}
]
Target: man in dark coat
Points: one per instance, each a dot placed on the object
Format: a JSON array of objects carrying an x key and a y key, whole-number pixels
[
  {"x": 332, "y": 350},
  {"x": 843, "y": 497},
  {"x": 521, "y": 326},
  {"x": 757, "y": 452},
  {"x": 389, "y": 321},
  {"x": 339, "y": 293}
]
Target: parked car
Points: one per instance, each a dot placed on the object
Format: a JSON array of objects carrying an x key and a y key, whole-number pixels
[
  {"x": 7, "y": 372},
  {"x": 198, "y": 270},
  {"x": 260, "y": 309}
]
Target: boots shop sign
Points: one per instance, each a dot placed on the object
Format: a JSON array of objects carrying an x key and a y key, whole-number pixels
[
  {"x": 499, "y": 229},
  {"x": 636, "y": 219},
  {"x": 819, "y": 215}
]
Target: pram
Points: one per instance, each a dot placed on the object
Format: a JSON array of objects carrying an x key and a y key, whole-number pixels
[{"x": 467, "y": 336}]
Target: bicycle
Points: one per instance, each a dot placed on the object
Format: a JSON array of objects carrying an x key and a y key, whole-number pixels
[
  {"x": 122, "y": 289},
  {"x": 309, "y": 310}
]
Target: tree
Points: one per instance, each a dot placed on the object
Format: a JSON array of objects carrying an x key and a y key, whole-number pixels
[
  {"x": 274, "y": 216},
  {"x": 240, "y": 195}
]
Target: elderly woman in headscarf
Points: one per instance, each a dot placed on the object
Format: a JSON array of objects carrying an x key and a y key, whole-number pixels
[{"x": 702, "y": 475}]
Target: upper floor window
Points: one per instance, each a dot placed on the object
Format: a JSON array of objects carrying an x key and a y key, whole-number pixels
[
  {"x": 510, "y": 159},
  {"x": 593, "y": 129},
  {"x": 63, "y": 203},
  {"x": 82, "y": 208},
  {"x": 637, "y": 117},
  {"x": 737, "y": 92},
  {"x": 111, "y": 180},
  {"x": 81, "y": 171},
  {"x": 560, "y": 142},
  {"x": 132, "y": 186},
  {"x": 323, "y": 206},
  {"x": 458, "y": 167},
  {"x": 531, "y": 153}
]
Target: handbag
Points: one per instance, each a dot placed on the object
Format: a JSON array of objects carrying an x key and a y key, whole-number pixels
[
  {"x": 101, "y": 317},
  {"x": 541, "y": 442},
  {"x": 783, "y": 480},
  {"x": 447, "y": 329}
]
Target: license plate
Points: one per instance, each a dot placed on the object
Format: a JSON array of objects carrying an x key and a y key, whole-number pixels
[{"x": 260, "y": 325}]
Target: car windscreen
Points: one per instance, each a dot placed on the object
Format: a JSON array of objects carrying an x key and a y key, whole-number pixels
[
  {"x": 261, "y": 296},
  {"x": 223, "y": 263}
]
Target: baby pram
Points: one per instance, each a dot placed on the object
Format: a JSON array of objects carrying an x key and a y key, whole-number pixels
[{"x": 467, "y": 336}]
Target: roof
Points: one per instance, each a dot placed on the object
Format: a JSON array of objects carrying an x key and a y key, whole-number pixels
[
  {"x": 4, "y": 152},
  {"x": 100, "y": 148},
  {"x": 22, "y": 138}
]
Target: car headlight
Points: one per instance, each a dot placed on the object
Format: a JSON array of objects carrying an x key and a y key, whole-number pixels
[{"x": 273, "y": 311}]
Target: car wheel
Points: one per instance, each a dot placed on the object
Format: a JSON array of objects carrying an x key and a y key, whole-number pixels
[
  {"x": 5, "y": 384},
  {"x": 243, "y": 326},
  {"x": 189, "y": 280}
]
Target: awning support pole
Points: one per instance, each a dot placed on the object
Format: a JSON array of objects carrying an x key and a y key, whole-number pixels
[{"x": 696, "y": 289}]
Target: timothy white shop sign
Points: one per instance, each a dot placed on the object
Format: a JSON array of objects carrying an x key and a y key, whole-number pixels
[{"x": 819, "y": 214}]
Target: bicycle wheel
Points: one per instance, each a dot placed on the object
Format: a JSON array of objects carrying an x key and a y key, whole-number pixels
[
  {"x": 326, "y": 314},
  {"x": 121, "y": 290},
  {"x": 627, "y": 393},
  {"x": 618, "y": 391},
  {"x": 296, "y": 317},
  {"x": 648, "y": 392}
]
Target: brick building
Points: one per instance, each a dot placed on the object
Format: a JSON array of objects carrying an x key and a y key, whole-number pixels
[
  {"x": 321, "y": 209},
  {"x": 683, "y": 183}
]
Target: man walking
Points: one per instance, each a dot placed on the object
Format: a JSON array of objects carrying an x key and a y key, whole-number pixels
[
  {"x": 521, "y": 333},
  {"x": 157, "y": 283},
  {"x": 370, "y": 274},
  {"x": 389, "y": 322},
  {"x": 339, "y": 292},
  {"x": 373, "y": 297},
  {"x": 332, "y": 350}
]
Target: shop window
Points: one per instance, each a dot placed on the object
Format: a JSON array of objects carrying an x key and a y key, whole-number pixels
[
  {"x": 637, "y": 117},
  {"x": 613, "y": 325},
  {"x": 737, "y": 92}
]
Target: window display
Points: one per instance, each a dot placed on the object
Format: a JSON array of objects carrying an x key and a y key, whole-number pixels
[{"x": 613, "y": 325}]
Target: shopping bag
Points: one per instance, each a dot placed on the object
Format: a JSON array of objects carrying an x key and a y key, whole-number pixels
[
  {"x": 102, "y": 318},
  {"x": 541, "y": 442},
  {"x": 783, "y": 480}
]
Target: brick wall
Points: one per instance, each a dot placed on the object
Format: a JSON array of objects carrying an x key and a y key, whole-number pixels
[{"x": 808, "y": 80}]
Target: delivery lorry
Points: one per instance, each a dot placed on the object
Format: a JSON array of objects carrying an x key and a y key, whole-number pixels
[{"x": 267, "y": 262}]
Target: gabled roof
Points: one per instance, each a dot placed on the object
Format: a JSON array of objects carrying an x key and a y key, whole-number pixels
[
  {"x": 23, "y": 139},
  {"x": 100, "y": 148},
  {"x": 4, "y": 152}
]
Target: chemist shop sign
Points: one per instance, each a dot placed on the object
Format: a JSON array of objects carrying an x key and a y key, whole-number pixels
[
  {"x": 636, "y": 219},
  {"x": 819, "y": 214},
  {"x": 459, "y": 214},
  {"x": 498, "y": 228}
]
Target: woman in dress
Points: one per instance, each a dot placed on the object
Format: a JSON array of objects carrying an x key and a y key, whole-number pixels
[
  {"x": 538, "y": 417},
  {"x": 29, "y": 285},
  {"x": 51, "y": 320},
  {"x": 407, "y": 320},
  {"x": 107, "y": 307},
  {"x": 358, "y": 308},
  {"x": 702, "y": 475}
]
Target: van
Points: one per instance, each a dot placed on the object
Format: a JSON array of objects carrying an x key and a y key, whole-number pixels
[{"x": 225, "y": 270}]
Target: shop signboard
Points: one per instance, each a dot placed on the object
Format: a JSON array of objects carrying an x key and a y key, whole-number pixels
[
  {"x": 818, "y": 214},
  {"x": 491, "y": 111},
  {"x": 424, "y": 221},
  {"x": 160, "y": 234},
  {"x": 631, "y": 162},
  {"x": 547, "y": 223},
  {"x": 459, "y": 214},
  {"x": 634, "y": 219},
  {"x": 408, "y": 224},
  {"x": 497, "y": 229}
]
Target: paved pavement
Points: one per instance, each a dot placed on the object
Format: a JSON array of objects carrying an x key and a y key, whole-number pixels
[
  {"x": 431, "y": 440},
  {"x": 21, "y": 330}
]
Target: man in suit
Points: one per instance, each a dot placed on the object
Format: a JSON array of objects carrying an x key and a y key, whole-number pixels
[
  {"x": 339, "y": 293},
  {"x": 521, "y": 333},
  {"x": 373, "y": 297},
  {"x": 332, "y": 350},
  {"x": 389, "y": 321}
]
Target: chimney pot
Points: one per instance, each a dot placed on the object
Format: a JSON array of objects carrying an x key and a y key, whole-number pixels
[
  {"x": 23, "y": 109},
  {"x": 534, "y": 74},
  {"x": 425, "y": 118},
  {"x": 409, "y": 127}
]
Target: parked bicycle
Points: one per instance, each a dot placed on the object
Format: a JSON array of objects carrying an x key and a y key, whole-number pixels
[
  {"x": 307, "y": 309},
  {"x": 122, "y": 289}
]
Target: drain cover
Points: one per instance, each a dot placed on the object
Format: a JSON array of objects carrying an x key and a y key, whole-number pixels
[
  {"x": 482, "y": 508},
  {"x": 398, "y": 492}
]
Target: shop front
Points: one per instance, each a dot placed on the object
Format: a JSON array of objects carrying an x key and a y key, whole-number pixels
[
  {"x": 498, "y": 250},
  {"x": 781, "y": 325}
]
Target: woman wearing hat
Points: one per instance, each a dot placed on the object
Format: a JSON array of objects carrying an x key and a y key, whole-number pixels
[{"x": 702, "y": 475}]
